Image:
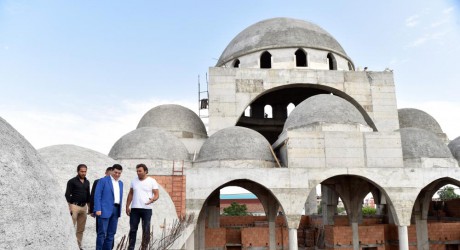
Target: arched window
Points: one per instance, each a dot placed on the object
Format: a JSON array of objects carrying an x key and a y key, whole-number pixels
[
  {"x": 268, "y": 111},
  {"x": 247, "y": 111},
  {"x": 266, "y": 60},
  {"x": 289, "y": 108},
  {"x": 236, "y": 64},
  {"x": 332, "y": 62},
  {"x": 350, "y": 66},
  {"x": 301, "y": 58}
]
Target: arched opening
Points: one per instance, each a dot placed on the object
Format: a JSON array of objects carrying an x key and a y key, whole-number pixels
[
  {"x": 241, "y": 213},
  {"x": 247, "y": 112},
  {"x": 301, "y": 58},
  {"x": 331, "y": 61},
  {"x": 236, "y": 63},
  {"x": 268, "y": 111},
  {"x": 266, "y": 60},
  {"x": 350, "y": 66},
  {"x": 436, "y": 215},
  {"x": 344, "y": 204},
  {"x": 279, "y": 98},
  {"x": 289, "y": 108}
]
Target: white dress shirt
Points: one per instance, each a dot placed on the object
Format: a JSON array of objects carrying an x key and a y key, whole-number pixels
[{"x": 116, "y": 190}]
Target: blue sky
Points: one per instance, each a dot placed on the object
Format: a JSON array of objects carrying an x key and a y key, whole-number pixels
[{"x": 84, "y": 72}]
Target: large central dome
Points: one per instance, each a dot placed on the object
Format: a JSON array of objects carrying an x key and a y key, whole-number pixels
[{"x": 280, "y": 33}]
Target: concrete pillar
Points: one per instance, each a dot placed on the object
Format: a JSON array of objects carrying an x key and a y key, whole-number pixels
[
  {"x": 271, "y": 215},
  {"x": 354, "y": 228},
  {"x": 213, "y": 210},
  {"x": 200, "y": 233},
  {"x": 403, "y": 238},
  {"x": 257, "y": 111},
  {"x": 279, "y": 111},
  {"x": 190, "y": 243},
  {"x": 293, "y": 239},
  {"x": 329, "y": 204},
  {"x": 422, "y": 234},
  {"x": 311, "y": 206}
]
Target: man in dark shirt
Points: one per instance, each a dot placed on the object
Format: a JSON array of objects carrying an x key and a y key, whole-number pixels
[{"x": 78, "y": 197}]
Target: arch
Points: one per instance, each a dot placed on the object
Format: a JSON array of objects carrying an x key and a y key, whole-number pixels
[
  {"x": 268, "y": 111},
  {"x": 289, "y": 108},
  {"x": 236, "y": 63},
  {"x": 350, "y": 67},
  {"x": 301, "y": 58},
  {"x": 208, "y": 212},
  {"x": 331, "y": 61},
  {"x": 266, "y": 60},
  {"x": 292, "y": 93}
]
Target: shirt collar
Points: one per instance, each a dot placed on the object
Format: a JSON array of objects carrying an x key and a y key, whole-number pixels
[{"x": 113, "y": 179}]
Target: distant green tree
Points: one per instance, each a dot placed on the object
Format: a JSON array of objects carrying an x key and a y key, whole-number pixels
[
  {"x": 369, "y": 211},
  {"x": 447, "y": 193},
  {"x": 236, "y": 209}
]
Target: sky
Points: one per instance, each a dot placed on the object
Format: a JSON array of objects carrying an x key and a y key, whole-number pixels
[{"x": 84, "y": 72}]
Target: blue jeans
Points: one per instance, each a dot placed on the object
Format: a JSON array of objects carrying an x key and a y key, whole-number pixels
[
  {"x": 134, "y": 218},
  {"x": 106, "y": 230}
]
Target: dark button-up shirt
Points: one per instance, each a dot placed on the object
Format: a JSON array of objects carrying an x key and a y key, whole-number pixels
[{"x": 77, "y": 191}]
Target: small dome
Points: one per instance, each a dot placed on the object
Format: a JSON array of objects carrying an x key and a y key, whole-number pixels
[
  {"x": 324, "y": 108},
  {"x": 175, "y": 119},
  {"x": 149, "y": 143},
  {"x": 236, "y": 143},
  {"x": 417, "y": 143},
  {"x": 454, "y": 147},
  {"x": 34, "y": 211},
  {"x": 415, "y": 118},
  {"x": 280, "y": 33}
]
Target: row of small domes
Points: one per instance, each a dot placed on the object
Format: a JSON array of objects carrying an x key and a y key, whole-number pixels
[{"x": 159, "y": 130}]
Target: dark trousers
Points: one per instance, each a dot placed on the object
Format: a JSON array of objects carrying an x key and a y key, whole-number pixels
[
  {"x": 106, "y": 230},
  {"x": 134, "y": 218}
]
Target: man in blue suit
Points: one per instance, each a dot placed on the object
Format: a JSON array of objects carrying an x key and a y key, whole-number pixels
[{"x": 107, "y": 207}]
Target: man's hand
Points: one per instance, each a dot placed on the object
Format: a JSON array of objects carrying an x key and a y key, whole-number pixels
[
  {"x": 128, "y": 211},
  {"x": 98, "y": 213}
]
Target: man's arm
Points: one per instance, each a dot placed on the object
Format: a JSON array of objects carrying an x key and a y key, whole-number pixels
[
  {"x": 91, "y": 204},
  {"x": 68, "y": 192},
  {"x": 128, "y": 201},
  {"x": 156, "y": 195}
]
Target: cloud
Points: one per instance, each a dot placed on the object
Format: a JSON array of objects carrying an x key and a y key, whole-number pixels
[
  {"x": 412, "y": 21},
  {"x": 448, "y": 10},
  {"x": 445, "y": 113},
  {"x": 97, "y": 130}
]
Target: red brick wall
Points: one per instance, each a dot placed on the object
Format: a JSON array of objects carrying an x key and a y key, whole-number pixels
[
  {"x": 259, "y": 236},
  {"x": 178, "y": 197},
  {"x": 452, "y": 208},
  {"x": 215, "y": 237}
]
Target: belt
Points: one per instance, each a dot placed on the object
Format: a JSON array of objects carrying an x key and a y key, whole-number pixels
[
  {"x": 80, "y": 204},
  {"x": 116, "y": 205}
]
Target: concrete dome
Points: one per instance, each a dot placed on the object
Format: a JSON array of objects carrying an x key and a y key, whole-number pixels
[
  {"x": 149, "y": 143},
  {"x": 417, "y": 143},
  {"x": 415, "y": 118},
  {"x": 236, "y": 143},
  {"x": 34, "y": 211},
  {"x": 63, "y": 161},
  {"x": 280, "y": 33},
  {"x": 324, "y": 108},
  {"x": 176, "y": 119},
  {"x": 454, "y": 147}
]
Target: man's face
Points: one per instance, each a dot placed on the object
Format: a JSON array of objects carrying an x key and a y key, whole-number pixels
[
  {"x": 141, "y": 173},
  {"x": 82, "y": 173},
  {"x": 116, "y": 174}
]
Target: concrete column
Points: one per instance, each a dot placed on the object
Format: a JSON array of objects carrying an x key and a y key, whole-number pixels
[
  {"x": 293, "y": 239},
  {"x": 279, "y": 111},
  {"x": 213, "y": 210},
  {"x": 271, "y": 215},
  {"x": 311, "y": 206},
  {"x": 200, "y": 233},
  {"x": 329, "y": 205},
  {"x": 257, "y": 111},
  {"x": 422, "y": 234},
  {"x": 354, "y": 228},
  {"x": 190, "y": 243},
  {"x": 403, "y": 238}
]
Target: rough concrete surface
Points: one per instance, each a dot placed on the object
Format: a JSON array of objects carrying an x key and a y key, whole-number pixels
[
  {"x": 417, "y": 143},
  {"x": 34, "y": 210},
  {"x": 454, "y": 147},
  {"x": 409, "y": 117}
]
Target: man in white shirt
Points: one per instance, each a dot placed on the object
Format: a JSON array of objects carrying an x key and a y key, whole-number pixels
[{"x": 142, "y": 193}]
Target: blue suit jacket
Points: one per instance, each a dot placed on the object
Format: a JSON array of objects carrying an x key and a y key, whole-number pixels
[{"x": 104, "y": 198}]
